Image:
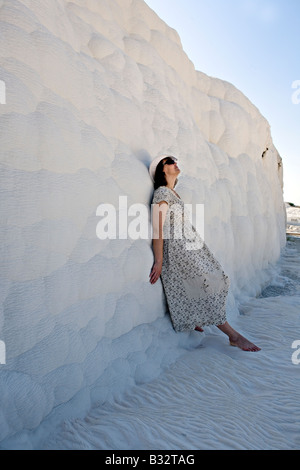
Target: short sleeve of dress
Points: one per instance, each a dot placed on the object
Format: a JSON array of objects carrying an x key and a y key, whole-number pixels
[{"x": 161, "y": 194}]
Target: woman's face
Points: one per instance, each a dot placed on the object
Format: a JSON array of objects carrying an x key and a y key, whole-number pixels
[{"x": 170, "y": 167}]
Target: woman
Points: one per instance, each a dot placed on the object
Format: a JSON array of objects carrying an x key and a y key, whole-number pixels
[{"x": 195, "y": 285}]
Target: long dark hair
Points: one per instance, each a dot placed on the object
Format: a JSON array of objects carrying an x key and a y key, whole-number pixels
[{"x": 160, "y": 177}]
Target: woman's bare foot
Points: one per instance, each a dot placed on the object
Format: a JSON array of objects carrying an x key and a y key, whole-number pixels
[
  {"x": 236, "y": 339},
  {"x": 198, "y": 328},
  {"x": 242, "y": 343}
]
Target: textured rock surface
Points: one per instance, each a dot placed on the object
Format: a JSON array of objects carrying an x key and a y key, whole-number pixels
[{"x": 95, "y": 90}]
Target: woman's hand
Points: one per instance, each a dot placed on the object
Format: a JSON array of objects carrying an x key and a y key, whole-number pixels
[{"x": 155, "y": 272}]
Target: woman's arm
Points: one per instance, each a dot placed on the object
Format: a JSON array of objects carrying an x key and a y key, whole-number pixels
[{"x": 159, "y": 215}]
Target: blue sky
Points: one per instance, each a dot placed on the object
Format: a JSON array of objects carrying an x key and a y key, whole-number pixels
[{"x": 254, "y": 44}]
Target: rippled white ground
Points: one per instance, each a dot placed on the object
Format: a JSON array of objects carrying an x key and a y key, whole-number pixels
[{"x": 215, "y": 396}]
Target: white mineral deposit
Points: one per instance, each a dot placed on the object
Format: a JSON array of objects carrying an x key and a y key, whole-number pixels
[{"x": 95, "y": 90}]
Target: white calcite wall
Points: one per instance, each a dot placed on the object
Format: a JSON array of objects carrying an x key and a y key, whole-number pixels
[{"x": 94, "y": 90}]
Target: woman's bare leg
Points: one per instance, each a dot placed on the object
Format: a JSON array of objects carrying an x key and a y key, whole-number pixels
[{"x": 236, "y": 339}]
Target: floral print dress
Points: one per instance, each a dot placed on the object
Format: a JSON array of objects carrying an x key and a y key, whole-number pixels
[{"x": 194, "y": 282}]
